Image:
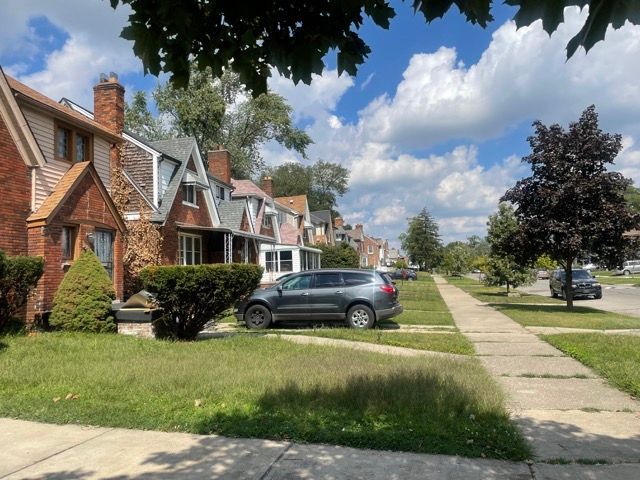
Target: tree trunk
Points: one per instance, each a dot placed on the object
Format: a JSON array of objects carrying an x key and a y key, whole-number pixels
[
  {"x": 507, "y": 288},
  {"x": 568, "y": 290}
]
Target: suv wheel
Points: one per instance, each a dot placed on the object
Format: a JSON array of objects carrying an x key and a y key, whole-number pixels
[
  {"x": 257, "y": 317},
  {"x": 626, "y": 273},
  {"x": 553, "y": 292},
  {"x": 360, "y": 316}
]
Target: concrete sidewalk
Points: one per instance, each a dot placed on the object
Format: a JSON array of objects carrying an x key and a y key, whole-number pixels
[
  {"x": 40, "y": 451},
  {"x": 564, "y": 409}
]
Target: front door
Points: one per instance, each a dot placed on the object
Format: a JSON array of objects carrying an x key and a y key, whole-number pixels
[
  {"x": 103, "y": 247},
  {"x": 293, "y": 301}
]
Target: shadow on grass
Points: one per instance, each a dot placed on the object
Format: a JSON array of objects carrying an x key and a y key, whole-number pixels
[{"x": 537, "y": 308}]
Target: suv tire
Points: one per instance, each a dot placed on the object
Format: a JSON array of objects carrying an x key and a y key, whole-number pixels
[
  {"x": 257, "y": 317},
  {"x": 360, "y": 316},
  {"x": 553, "y": 292},
  {"x": 598, "y": 296},
  {"x": 626, "y": 273}
]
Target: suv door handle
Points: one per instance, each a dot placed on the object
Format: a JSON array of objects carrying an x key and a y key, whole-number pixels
[
  {"x": 305, "y": 294},
  {"x": 339, "y": 292}
]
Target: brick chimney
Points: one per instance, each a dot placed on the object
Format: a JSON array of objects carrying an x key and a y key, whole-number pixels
[
  {"x": 220, "y": 163},
  {"x": 108, "y": 103},
  {"x": 267, "y": 186},
  {"x": 359, "y": 226},
  {"x": 339, "y": 222}
]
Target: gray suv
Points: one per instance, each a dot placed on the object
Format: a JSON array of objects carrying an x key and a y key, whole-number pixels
[
  {"x": 361, "y": 297},
  {"x": 584, "y": 284}
]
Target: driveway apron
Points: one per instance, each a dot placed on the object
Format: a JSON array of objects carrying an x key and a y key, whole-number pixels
[{"x": 565, "y": 410}]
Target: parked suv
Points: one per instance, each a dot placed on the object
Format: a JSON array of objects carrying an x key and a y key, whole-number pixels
[
  {"x": 584, "y": 285},
  {"x": 361, "y": 297},
  {"x": 404, "y": 274},
  {"x": 628, "y": 267}
]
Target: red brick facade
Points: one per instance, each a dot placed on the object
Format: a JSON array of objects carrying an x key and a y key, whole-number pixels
[
  {"x": 220, "y": 164},
  {"x": 15, "y": 200},
  {"x": 108, "y": 110}
]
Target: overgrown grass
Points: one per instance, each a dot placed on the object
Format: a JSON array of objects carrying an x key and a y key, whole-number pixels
[
  {"x": 251, "y": 386},
  {"x": 559, "y": 316},
  {"x": 496, "y": 294},
  {"x": 438, "y": 342},
  {"x": 616, "y": 357}
]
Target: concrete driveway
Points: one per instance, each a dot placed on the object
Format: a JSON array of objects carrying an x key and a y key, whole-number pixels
[{"x": 615, "y": 298}]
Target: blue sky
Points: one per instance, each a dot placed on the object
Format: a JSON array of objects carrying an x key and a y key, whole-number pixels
[{"x": 437, "y": 117}]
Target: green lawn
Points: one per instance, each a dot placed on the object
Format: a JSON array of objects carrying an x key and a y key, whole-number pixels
[
  {"x": 422, "y": 303},
  {"x": 438, "y": 342},
  {"x": 252, "y": 386},
  {"x": 616, "y": 357},
  {"x": 559, "y": 316},
  {"x": 618, "y": 279},
  {"x": 497, "y": 294}
]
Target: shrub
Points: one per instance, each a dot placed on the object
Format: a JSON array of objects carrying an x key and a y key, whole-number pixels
[
  {"x": 192, "y": 296},
  {"x": 18, "y": 275},
  {"x": 83, "y": 299},
  {"x": 341, "y": 256}
]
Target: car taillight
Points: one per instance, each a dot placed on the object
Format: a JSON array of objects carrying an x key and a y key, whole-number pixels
[{"x": 387, "y": 288}]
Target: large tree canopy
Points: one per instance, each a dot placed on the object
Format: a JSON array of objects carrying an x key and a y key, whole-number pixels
[
  {"x": 571, "y": 206},
  {"x": 251, "y": 38},
  {"x": 219, "y": 111},
  {"x": 422, "y": 241}
]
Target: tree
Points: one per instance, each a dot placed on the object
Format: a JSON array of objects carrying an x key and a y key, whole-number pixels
[
  {"x": 545, "y": 262},
  {"x": 322, "y": 182},
  {"x": 253, "y": 38},
  {"x": 502, "y": 267},
  {"x": 18, "y": 276},
  {"x": 340, "y": 256},
  {"x": 422, "y": 241},
  {"x": 632, "y": 196},
  {"x": 456, "y": 259},
  {"x": 219, "y": 112},
  {"x": 140, "y": 121},
  {"x": 571, "y": 204}
]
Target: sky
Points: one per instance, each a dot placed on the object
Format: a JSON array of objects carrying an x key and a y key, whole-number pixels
[{"x": 437, "y": 117}]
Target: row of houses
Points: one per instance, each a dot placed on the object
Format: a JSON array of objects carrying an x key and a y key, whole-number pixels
[{"x": 56, "y": 165}]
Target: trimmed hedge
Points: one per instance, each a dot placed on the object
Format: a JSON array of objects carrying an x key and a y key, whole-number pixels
[
  {"x": 340, "y": 256},
  {"x": 83, "y": 300},
  {"x": 18, "y": 275},
  {"x": 192, "y": 296}
]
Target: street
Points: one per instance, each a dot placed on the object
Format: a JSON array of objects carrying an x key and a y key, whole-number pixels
[{"x": 615, "y": 298}]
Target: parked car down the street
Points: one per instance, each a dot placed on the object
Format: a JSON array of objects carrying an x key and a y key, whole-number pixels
[
  {"x": 629, "y": 267},
  {"x": 543, "y": 274},
  {"x": 361, "y": 297},
  {"x": 583, "y": 285},
  {"x": 404, "y": 274}
]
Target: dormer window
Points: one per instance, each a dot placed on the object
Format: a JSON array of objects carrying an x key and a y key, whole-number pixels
[
  {"x": 266, "y": 221},
  {"x": 220, "y": 192},
  {"x": 189, "y": 194},
  {"x": 72, "y": 145}
]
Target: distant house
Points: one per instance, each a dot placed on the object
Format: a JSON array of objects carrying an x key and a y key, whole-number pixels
[
  {"x": 291, "y": 228},
  {"x": 199, "y": 220},
  {"x": 55, "y": 180},
  {"x": 341, "y": 236},
  {"x": 323, "y": 227}
]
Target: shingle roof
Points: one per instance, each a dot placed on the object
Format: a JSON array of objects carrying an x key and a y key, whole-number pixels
[
  {"x": 288, "y": 234},
  {"x": 316, "y": 219},
  {"x": 231, "y": 213},
  {"x": 247, "y": 187},
  {"x": 297, "y": 202},
  {"x": 324, "y": 215},
  {"x": 169, "y": 195},
  {"x": 178, "y": 148},
  {"x": 29, "y": 94}
]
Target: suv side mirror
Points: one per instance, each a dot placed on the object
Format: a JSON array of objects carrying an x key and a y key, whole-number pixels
[{"x": 279, "y": 288}]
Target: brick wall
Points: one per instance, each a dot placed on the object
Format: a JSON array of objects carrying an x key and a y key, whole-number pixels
[
  {"x": 220, "y": 164},
  {"x": 136, "y": 329},
  {"x": 15, "y": 197},
  {"x": 183, "y": 214}
]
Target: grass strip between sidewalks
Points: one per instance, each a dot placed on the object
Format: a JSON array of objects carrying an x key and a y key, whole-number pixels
[{"x": 251, "y": 386}]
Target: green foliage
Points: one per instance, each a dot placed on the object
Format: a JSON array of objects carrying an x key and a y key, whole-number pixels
[
  {"x": 341, "y": 256},
  {"x": 545, "y": 262},
  {"x": 83, "y": 300},
  {"x": 632, "y": 196},
  {"x": 571, "y": 206},
  {"x": 323, "y": 182},
  {"x": 422, "y": 241},
  {"x": 456, "y": 259},
  {"x": 193, "y": 296},
  {"x": 219, "y": 112},
  {"x": 253, "y": 38},
  {"x": 139, "y": 120},
  {"x": 502, "y": 267},
  {"x": 18, "y": 275},
  {"x": 400, "y": 264}
]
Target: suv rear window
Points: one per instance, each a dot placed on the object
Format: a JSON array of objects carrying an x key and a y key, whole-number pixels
[{"x": 357, "y": 278}]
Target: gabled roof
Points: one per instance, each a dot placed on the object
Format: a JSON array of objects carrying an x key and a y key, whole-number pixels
[
  {"x": 178, "y": 148},
  {"x": 65, "y": 186},
  {"x": 297, "y": 202},
  {"x": 231, "y": 213},
  {"x": 289, "y": 234},
  {"x": 245, "y": 188},
  {"x": 38, "y": 100},
  {"x": 316, "y": 219},
  {"x": 324, "y": 215},
  {"x": 169, "y": 195}
]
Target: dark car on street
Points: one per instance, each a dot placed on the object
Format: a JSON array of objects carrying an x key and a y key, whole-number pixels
[
  {"x": 360, "y": 297},
  {"x": 584, "y": 285},
  {"x": 404, "y": 274}
]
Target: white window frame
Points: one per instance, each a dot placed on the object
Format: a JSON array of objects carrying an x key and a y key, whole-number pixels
[
  {"x": 187, "y": 243},
  {"x": 370, "y": 249},
  {"x": 185, "y": 192}
]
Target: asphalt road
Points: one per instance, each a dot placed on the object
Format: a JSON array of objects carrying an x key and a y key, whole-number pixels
[{"x": 615, "y": 298}]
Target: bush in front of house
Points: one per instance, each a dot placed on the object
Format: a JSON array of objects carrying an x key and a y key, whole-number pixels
[
  {"x": 18, "y": 275},
  {"x": 192, "y": 296},
  {"x": 340, "y": 256},
  {"x": 83, "y": 300}
]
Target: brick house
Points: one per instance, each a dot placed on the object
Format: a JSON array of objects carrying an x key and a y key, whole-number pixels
[
  {"x": 292, "y": 250},
  {"x": 54, "y": 184},
  {"x": 199, "y": 220}
]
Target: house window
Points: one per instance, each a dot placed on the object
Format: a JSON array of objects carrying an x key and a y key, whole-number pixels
[
  {"x": 189, "y": 249},
  {"x": 286, "y": 261},
  {"x": 266, "y": 221},
  {"x": 72, "y": 145},
  {"x": 370, "y": 249},
  {"x": 220, "y": 192},
  {"x": 271, "y": 261},
  {"x": 103, "y": 247},
  {"x": 189, "y": 193},
  {"x": 279, "y": 261},
  {"x": 68, "y": 241}
]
